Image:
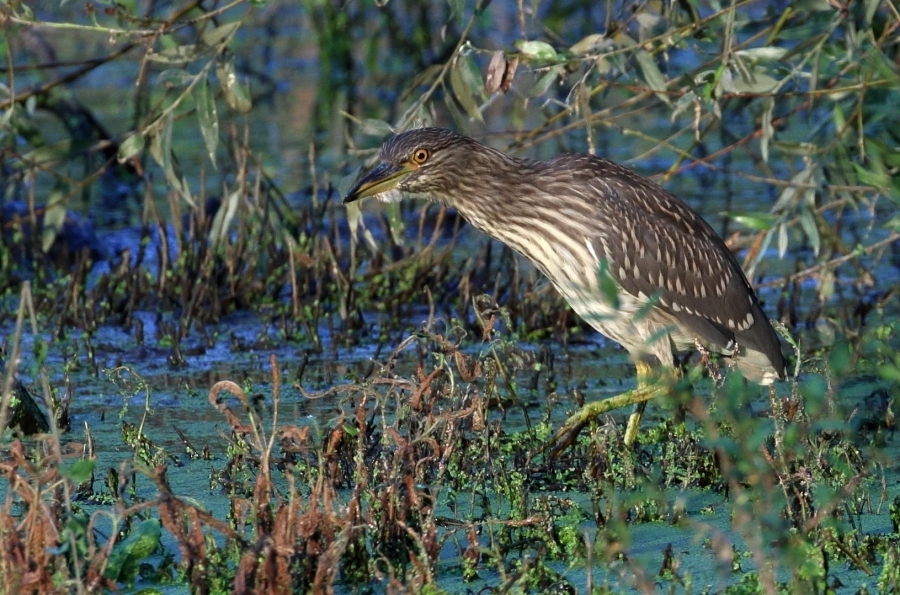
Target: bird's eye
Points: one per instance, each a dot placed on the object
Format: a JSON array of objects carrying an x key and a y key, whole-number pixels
[{"x": 420, "y": 156}]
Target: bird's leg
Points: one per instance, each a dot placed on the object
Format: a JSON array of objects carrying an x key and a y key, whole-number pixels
[
  {"x": 645, "y": 382},
  {"x": 647, "y": 387}
]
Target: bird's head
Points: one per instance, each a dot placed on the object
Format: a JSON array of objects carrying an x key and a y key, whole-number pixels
[{"x": 427, "y": 163}]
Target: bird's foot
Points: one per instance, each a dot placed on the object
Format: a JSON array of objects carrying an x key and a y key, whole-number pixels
[{"x": 566, "y": 435}]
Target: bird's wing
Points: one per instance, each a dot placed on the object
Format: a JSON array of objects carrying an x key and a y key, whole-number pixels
[{"x": 656, "y": 245}]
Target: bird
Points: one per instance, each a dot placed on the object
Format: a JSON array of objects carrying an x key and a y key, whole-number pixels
[{"x": 634, "y": 261}]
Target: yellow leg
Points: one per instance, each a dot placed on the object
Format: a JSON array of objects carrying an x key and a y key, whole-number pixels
[
  {"x": 647, "y": 387},
  {"x": 644, "y": 380}
]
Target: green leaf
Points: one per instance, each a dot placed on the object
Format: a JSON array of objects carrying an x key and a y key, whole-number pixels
[
  {"x": 893, "y": 223},
  {"x": 841, "y": 169},
  {"x": 885, "y": 67},
  {"x": 757, "y": 81},
  {"x": 652, "y": 74},
  {"x": 889, "y": 156},
  {"x": 373, "y": 127},
  {"x": 826, "y": 284},
  {"x": 543, "y": 83},
  {"x": 207, "y": 118},
  {"x": 840, "y": 122},
  {"x": 161, "y": 151},
  {"x": 768, "y": 131},
  {"x": 39, "y": 350},
  {"x": 57, "y": 151},
  {"x": 54, "y": 215},
  {"x": 354, "y": 218},
  {"x": 462, "y": 91},
  {"x": 536, "y": 51},
  {"x": 871, "y": 8},
  {"x": 710, "y": 82},
  {"x": 8, "y": 114},
  {"x": 220, "y": 34},
  {"x": 648, "y": 307},
  {"x": 607, "y": 284},
  {"x": 458, "y": 9},
  {"x": 471, "y": 76},
  {"x": 175, "y": 77},
  {"x": 396, "y": 222},
  {"x": 79, "y": 471},
  {"x": 757, "y": 221},
  {"x": 459, "y": 118},
  {"x": 793, "y": 194},
  {"x": 808, "y": 224},
  {"x": 25, "y": 13},
  {"x": 889, "y": 372},
  {"x": 782, "y": 240},
  {"x": 813, "y": 387},
  {"x": 839, "y": 359},
  {"x": 236, "y": 95},
  {"x": 218, "y": 230},
  {"x": 181, "y": 54},
  {"x": 126, "y": 557},
  {"x": 131, "y": 146},
  {"x": 763, "y": 54},
  {"x": 592, "y": 42},
  {"x": 161, "y": 142}
]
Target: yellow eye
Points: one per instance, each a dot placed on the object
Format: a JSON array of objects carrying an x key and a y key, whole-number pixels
[{"x": 420, "y": 156}]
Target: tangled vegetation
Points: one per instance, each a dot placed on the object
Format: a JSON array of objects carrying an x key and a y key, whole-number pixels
[{"x": 153, "y": 206}]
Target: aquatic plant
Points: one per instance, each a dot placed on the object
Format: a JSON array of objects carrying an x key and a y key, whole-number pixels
[{"x": 164, "y": 212}]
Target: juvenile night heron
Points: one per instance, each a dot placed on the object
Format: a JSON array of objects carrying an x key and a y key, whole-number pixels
[{"x": 585, "y": 221}]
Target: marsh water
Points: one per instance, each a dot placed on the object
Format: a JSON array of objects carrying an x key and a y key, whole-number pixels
[{"x": 114, "y": 375}]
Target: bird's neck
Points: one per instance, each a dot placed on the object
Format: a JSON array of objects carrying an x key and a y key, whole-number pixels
[
  {"x": 525, "y": 212},
  {"x": 493, "y": 191}
]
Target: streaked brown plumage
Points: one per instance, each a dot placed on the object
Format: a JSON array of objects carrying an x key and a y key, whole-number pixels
[{"x": 572, "y": 213}]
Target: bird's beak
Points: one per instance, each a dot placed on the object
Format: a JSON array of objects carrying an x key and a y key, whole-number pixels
[{"x": 383, "y": 177}]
